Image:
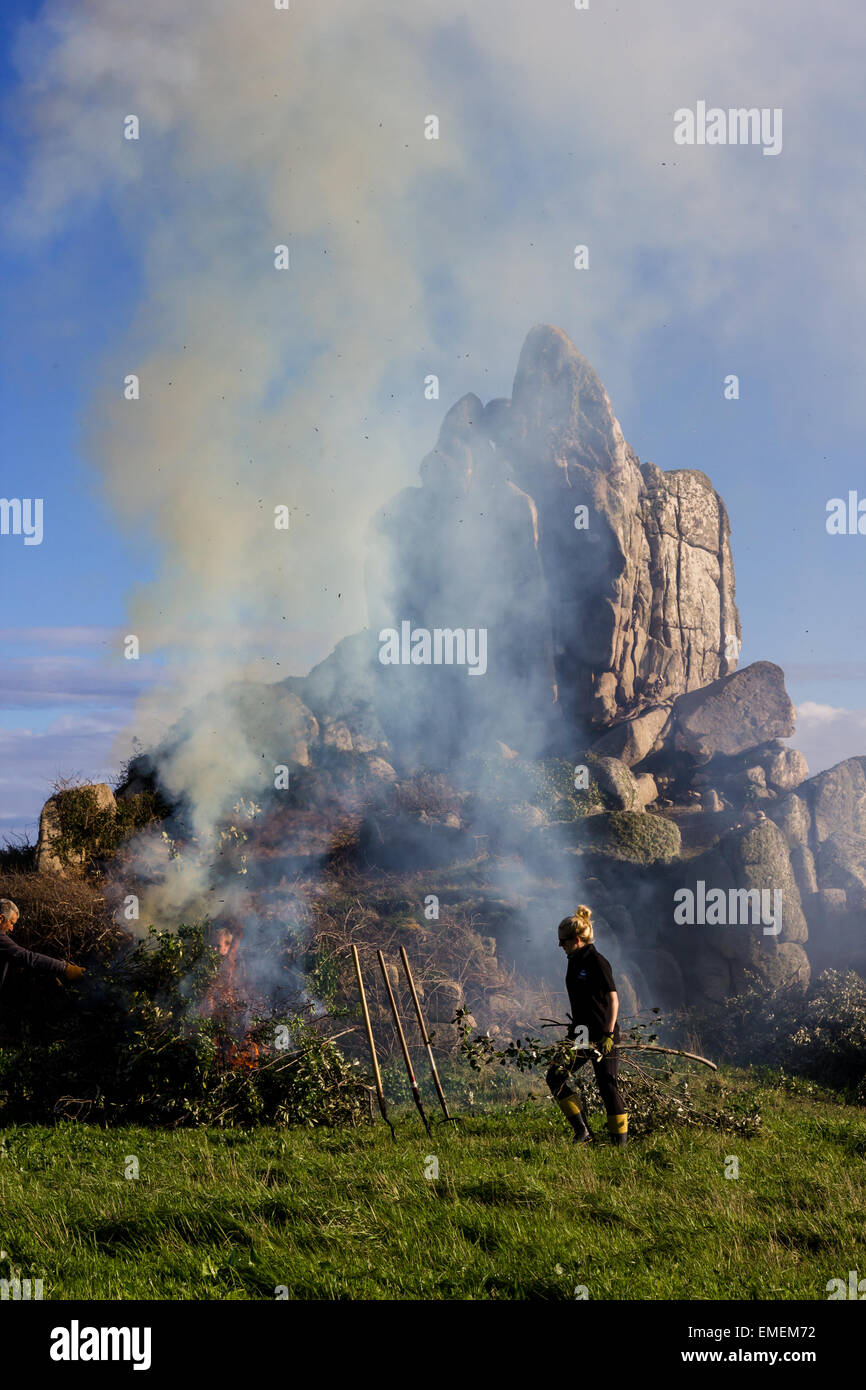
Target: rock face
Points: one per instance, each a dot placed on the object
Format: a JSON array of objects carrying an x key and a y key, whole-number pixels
[
  {"x": 342, "y": 690},
  {"x": 824, "y": 825},
  {"x": 632, "y": 740},
  {"x": 48, "y": 861},
  {"x": 606, "y": 587},
  {"x": 734, "y": 713}
]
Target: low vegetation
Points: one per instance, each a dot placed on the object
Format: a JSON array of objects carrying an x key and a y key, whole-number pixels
[
  {"x": 817, "y": 1033},
  {"x": 496, "y": 1206},
  {"x": 148, "y": 1037},
  {"x": 88, "y": 833}
]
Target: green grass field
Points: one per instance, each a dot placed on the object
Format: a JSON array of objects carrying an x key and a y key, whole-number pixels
[{"x": 516, "y": 1210}]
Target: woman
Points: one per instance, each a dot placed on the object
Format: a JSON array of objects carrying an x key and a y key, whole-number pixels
[{"x": 594, "y": 1008}]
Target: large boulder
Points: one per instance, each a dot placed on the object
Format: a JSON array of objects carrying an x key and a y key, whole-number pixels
[
  {"x": 615, "y": 782},
  {"x": 341, "y": 693},
  {"x": 837, "y": 799},
  {"x": 734, "y": 713},
  {"x": 831, "y": 803},
  {"x": 749, "y": 860},
  {"x": 759, "y": 858},
  {"x": 781, "y": 964},
  {"x": 784, "y": 768},
  {"x": 825, "y": 818},
  {"x": 65, "y": 823},
  {"x": 824, "y": 824},
  {"x": 632, "y": 740},
  {"x": 638, "y": 837}
]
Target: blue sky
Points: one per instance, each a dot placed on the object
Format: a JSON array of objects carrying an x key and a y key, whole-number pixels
[
  {"x": 62, "y": 697},
  {"x": 703, "y": 263}
]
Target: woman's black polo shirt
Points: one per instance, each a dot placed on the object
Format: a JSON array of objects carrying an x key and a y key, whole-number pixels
[{"x": 589, "y": 980}]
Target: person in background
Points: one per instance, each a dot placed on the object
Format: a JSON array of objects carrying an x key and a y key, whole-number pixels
[
  {"x": 13, "y": 954},
  {"x": 594, "y": 1008}
]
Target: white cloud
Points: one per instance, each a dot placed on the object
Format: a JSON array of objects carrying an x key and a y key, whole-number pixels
[
  {"x": 50, "y": 681},
  {"x": 33, "y": 760},
  {"x": 827, "y": 734}
]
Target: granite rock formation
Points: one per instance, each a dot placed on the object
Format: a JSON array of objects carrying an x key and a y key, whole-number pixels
[
  {"x": 606, "y": 586},
  {"x": 48, "y": 860}
]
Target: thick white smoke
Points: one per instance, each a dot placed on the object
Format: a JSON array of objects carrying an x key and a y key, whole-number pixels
[{"x": 408, "y": 256}]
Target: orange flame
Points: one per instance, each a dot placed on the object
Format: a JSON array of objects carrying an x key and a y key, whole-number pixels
[{"x": 222, "y": 1000}]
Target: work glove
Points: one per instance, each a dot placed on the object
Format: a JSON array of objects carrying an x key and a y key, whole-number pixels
[
  {"x": 73, "y": 972},
  {"x": 605, "y": 1047}
]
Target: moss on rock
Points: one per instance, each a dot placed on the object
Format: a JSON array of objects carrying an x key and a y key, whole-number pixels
[{"x": 632, "y": 835}]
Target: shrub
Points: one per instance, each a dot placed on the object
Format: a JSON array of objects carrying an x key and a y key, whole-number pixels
[
  {"x": 89, "y": 833},
  {"x": 64, "y": 917},
  {"x": 17, "y": 856},
  {"x": 501, "y": 784},
  {"x": 135, "y": 1044},
  {"x": 818, "y": 1033}
]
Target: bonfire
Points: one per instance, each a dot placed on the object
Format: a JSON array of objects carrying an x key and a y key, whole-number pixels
[{"x": 227, "y": 1001}]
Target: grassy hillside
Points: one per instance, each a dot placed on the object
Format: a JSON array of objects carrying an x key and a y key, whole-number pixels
[{"x": 516, "y": 1211}]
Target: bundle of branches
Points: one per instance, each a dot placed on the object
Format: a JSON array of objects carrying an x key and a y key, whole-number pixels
[
  {"x": 658, "y": 1085},
  {"x": 135, "y": 1043},
  {"x": 64, "y": 917},
  {"x": 454, "y": 963}
]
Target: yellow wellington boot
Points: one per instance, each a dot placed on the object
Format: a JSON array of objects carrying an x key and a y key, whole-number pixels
[
  {"x": 617, "y": 1126},
  {"x": 570, "y": 1107}
]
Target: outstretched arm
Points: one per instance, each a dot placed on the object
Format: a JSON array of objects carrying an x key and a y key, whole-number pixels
[{"x": 13, "y": 954}]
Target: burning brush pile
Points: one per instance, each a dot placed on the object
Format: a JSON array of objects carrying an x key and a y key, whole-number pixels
[
  {"x": 246, "y": 1007},
  {"x": 159, "y": 1032}
]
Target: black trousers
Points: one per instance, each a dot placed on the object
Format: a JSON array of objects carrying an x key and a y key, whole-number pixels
[{"x": 606, "y": 1073}]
